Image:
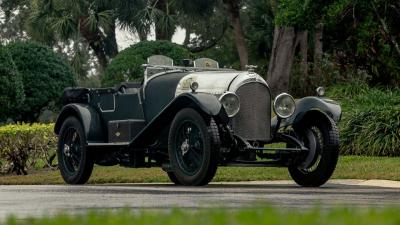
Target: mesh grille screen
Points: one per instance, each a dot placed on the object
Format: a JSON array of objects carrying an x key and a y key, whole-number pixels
[{"x": 253, "y": 120}]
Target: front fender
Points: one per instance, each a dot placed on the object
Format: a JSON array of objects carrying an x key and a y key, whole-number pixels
[
  {"x": 88, "y": 117},
  {"x": 208, "y": 103},
  {"x": 205, "y": 103},
  {"x": 303, "y": 106}
]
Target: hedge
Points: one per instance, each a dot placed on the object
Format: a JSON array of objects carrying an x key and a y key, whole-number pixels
[{"x": 24, "y": 146}]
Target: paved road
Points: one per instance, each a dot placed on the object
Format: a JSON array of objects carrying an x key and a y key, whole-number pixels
[{"x": 26, "y": 201}]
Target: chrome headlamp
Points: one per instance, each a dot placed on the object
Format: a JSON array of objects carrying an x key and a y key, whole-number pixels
[
  {"x": 320, "y": 91},
  {"x": 284, "y": 106},
  {"x": 231, "y": 103},
  {"x": 194, "y": 86}
]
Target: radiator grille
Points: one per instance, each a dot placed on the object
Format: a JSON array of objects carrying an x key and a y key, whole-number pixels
[{"x": 253, "y": 122}]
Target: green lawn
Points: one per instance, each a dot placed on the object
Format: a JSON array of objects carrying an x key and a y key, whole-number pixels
[
  {"x": 349, "y": 167},
  {"x": 256, "y": 216}
]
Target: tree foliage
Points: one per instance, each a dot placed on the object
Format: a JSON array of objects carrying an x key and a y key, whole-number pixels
[
  {"x": 302, "y": 14},
  {"x": 357, "y": 35},
  {"x": 44, "y": 74},
  {"x": 53, "y": 21},
  {"x": 365, "y": 35},
  {"x": 11, "y": 87},
  {"x": 128, "y": 64}
]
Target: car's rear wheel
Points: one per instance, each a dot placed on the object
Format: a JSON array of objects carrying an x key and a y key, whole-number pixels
[
  {"x": 315, "y": 167},
  {"x": 74, "y": 161},
  {"x": 193, "y": 149}
]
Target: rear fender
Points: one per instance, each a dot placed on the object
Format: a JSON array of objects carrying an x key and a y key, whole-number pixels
[
  {"x": 89, "y": 119},
  {"x": 311, "y": 105}
]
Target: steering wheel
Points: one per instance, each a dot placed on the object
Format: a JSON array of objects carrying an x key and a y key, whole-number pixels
[{"x": 122, "y": 89}]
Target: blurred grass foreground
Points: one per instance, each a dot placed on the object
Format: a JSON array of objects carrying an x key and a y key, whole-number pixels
[{"x": 256, "y": 216}]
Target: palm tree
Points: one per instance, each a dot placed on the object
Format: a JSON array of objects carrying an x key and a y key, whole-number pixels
[
  {"x": 132, "y": 15},
  {"x": 91, "y": 20},
  {"x": 166, "y": 15}
]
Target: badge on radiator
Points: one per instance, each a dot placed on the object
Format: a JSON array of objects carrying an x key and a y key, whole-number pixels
[{"x": 118, "y": 134}]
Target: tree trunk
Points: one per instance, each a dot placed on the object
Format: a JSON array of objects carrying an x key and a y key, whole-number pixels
[
  {"x": 142, "y": 34},
  {"x": 98, "y": 50},
  {"x": 281, "y": 61},
  {"x": 162, "y": 32},
  {"x": 111, "y": 46},
  {"x": 234, "y": 13},
  {"x": 302, "y": 38},
  {"x": 386, "y": 29},
  {"x": 318, "y": 49},
  {"x": 186, "y": 42},
  {"x": 95, "y": 42}
]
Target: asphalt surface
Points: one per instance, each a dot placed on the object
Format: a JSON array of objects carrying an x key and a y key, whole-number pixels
[{"x": 27, "y": 201}]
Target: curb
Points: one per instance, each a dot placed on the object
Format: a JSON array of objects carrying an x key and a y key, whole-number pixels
[
  {"x": 372, "y": 183},
  {"x": 350, "y": 182}
]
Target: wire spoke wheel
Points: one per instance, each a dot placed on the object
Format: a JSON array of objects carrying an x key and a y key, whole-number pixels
[
  {"x": 192, "y": 151},
  {"x": 71, "y": 151},
  {"x": 75, "y": 163}
]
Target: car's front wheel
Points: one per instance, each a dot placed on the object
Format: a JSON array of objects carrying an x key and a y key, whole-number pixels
[
  {"x": 193, "y": 149},
  {"x": 315, "y": 167},
  {"x": 74, "y": 161}
]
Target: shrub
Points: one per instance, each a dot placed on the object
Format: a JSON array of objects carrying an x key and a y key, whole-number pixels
[
  {"x": 371, "y": 120},
  {"x": 373, "y": 132},
  {"x": 11, "y": 87},
  {"x": 26, "y": 146},
  {"x": 44, "y": 73},
  {"x": 127, "y": 65}
]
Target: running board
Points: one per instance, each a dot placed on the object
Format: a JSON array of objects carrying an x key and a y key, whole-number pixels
[
  {"x": 276, "y": 149},
  {"x": 105, "y": 146},
  {"x": 239, "y": 163}
]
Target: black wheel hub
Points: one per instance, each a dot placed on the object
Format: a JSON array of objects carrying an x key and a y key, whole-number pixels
[
  {"x": 312, "y": 140},
  {"x": 189, "y": 148},
  {"x": 71, "y": 150}
]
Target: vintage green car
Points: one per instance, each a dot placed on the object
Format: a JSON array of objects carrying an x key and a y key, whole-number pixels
[{"x": 191, "y": 120}]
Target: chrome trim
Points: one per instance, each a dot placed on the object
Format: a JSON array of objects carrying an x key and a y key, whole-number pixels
[
  {"x": 246, "y": 78},
  {"x": 194, "y": 86},
  {"x": 196, "y": 60},
  {"x": 320, "y": 91},
  {"x": 242, "y": 125},
  {"x": 120, "y": 121},
  {"x": 249, "y": 82},
  {"x": 194, "y": 69},
  {"x": 140, "y": 102},
  {"x": 228, "y": 93},
  {"x": 280, "y": 95},
  {"x": 106, "y": 111}
]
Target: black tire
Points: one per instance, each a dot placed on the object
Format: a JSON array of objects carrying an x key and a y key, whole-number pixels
[
  {"x": 74, "y": 162},
  {"x": 173, "y": 178},
  {"x": 193, "y": 148},
  {"x": 315, "y": 168}
]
